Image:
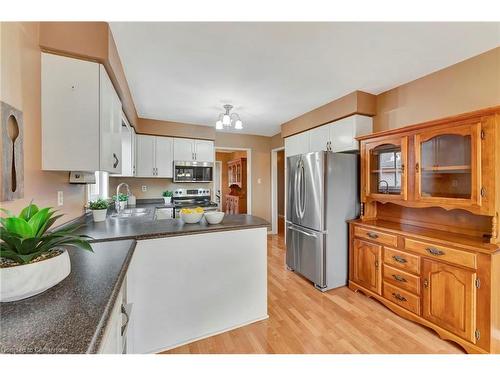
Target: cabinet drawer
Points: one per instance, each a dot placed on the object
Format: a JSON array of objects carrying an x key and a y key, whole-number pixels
[
  {"x": 402, "y": 260},
  {"x": 380, "y": 237},
  {"x": 402, "y": 279},
  {"x": 447, "y": 254},
  {"x": 403, "y": 298}
]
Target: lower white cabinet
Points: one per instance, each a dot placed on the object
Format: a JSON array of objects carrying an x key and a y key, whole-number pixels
[
  {"x": 114, "y": 340},
  {"x": 154, "y": 156}
]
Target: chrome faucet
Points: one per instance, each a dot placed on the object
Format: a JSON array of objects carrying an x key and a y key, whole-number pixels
[
  {"x": 117, "y": 201},
  {"x": 386, "y": 186}
]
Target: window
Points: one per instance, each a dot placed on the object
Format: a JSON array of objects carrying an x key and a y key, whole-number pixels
[
  {"x": 390, "y": 167},
  {"x": 101, "y": 187}
]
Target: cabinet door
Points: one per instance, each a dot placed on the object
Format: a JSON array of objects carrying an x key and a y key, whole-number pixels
[
  {"x": 70, "y": 114},
  {"x": 297, "y": 144},
  {"x": 163, "y": 156},
  {"x": 344, "y": 131},
  {"x": 367, "y": 265},
  {"x": 145, "y": 158},
  {"x": 319, "y": 138},
  {"x": 384, "y": 169},
  {"x": 110, "y": 125},
  {"x": 134, "y": 148},
  {"x": 183, "y": 149},
  {"x": 450, "y": 298},
  {"x": 204, "y": 150},
  {"x": 447, "y": 166}
]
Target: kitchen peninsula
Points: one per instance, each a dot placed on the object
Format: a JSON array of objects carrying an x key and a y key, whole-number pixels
[{"x": 182, "y": 282}]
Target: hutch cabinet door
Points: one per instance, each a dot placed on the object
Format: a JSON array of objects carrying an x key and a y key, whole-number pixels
[
  {"x": 450, "y": 298},
  {"x": 384, "y": 169},
  {"x": 448, "y": 166},
  {"x": 367, "y": 265}
]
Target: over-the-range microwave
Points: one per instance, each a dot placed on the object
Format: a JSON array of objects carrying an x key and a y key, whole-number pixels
[{"x": 193, "y": 171}]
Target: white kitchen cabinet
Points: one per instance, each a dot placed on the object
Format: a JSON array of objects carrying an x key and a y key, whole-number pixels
[
  {"x": 128, "y": 149},
  {"x": 297, "y": 144},
  {"x": 154, "y": 156},
  {"x": 343, "y": 132},
  {"x": 319, "y": 138},
  {"x": 186, "y": 149},
  {"x": 81, "y": 116},
  {"x": 115, "y": 335}
]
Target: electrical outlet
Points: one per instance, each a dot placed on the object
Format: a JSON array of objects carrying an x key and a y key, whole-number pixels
[
  {"x": 60, "y": 198},
  {"x": 144, "y": 188},
  {"x": 259, "y": 180}
]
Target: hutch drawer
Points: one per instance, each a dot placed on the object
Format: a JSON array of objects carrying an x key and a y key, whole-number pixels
[
  {"x": 374, "y": 235},
  {"x": 402, "y": 260},
  {"x": 447, "y": 254},
  {"x": 402, "y": 279},
  {"x": 403, "y": 298}
]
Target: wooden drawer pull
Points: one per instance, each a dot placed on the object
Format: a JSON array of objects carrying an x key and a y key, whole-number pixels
[
  {"x": 399, "y": 259},
  {"x": 399, "y": 297},
  {"x": 399, "y": 278},
  {"x": 426, "y": 283},
  {"x": 434, "y": 251},
  {"x": 372, "y": 235}
]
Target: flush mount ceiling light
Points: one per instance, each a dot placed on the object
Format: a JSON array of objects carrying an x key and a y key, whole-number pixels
[{"x": 227, "y": 120}]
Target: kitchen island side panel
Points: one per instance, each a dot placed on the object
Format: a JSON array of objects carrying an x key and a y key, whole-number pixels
[{"x": 191, "y": 287}]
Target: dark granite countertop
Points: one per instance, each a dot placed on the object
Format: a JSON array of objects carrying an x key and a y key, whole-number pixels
[{"x": 72, "y": 316}]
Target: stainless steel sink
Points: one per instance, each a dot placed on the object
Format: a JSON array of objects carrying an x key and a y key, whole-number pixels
[{"x": 130, "y": 212}]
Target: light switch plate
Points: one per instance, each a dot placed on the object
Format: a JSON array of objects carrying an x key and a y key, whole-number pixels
[
  {"x": 144, "y": 188},
  {"x": 60, "y": 198}
]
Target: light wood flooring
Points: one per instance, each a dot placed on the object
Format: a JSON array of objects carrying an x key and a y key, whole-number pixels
[{"x": 304, "y": 320}]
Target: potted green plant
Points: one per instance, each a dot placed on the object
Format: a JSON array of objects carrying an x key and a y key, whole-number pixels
[
  {"x": 99, "y": 209},
  {"x": 167, "y": 196},
  {"x": 32, "y": 258},
  {"x": 122, "y": 199}
]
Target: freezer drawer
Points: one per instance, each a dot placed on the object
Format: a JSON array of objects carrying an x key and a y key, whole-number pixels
[{"x": 305, "y": 253}]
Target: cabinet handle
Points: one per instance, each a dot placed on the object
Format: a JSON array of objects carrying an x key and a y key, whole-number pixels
[
  {"x": 402, "y": 168},
  {"x": 434, "y": 251},
  {"x": 399, "y": 278},
  {"x": 399, "y": 297},
  {"x": 376, "y": 264},
  {"x": 124, "y": 326},
  {"x": 417, "y": 167},
  {"x": 372, "y": 235},
  {"x": 426, "y": 283},
  {"x": 115, "y": 164},
  {"x": 399, "y": 259}
]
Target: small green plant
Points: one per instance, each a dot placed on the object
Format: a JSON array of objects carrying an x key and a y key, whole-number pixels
[
  {"x": 167, "y": 194},
  {"x": 27, "y": 236},
  {"x": 100, "y": 204},
  {"x": 121, "y": 197}
]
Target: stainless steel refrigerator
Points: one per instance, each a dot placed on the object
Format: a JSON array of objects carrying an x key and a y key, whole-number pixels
[{"x": 322, "y": 193}]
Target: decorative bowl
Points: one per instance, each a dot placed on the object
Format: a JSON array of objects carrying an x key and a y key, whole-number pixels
[
  {"x": 214, "y": 217},
  {"x": 191, "y": 218}
]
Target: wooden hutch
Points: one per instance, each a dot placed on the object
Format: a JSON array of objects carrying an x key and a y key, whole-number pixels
[
  {"x": 427, "y": 242},
  {"x": 236, "y": 200}
]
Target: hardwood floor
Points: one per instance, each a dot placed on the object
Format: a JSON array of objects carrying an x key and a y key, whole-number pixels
[{"x": 304, "y": 320}]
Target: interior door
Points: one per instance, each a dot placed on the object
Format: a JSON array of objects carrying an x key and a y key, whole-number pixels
[
  {"x": 204, "y": 150},
  {"x": 164, "y": 155},
  {"x": 450, "y": 298},
  {"x": 145, "y": 155},
  {"x": 183, "y": 149},
  {"x": 366, "y": 265}
]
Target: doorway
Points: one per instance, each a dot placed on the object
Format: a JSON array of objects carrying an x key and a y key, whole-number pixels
[
  {"x": 278, "y": 191},
  {"x": 235, "y": 180}
]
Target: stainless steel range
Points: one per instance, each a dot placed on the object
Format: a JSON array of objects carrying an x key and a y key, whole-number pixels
[{"x": 187, "y": 198}]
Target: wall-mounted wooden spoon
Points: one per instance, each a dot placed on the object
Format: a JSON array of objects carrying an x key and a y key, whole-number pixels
[{"x": 13, "y": 132}]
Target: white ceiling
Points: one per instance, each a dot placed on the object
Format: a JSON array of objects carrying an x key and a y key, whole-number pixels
[{"x": 274, "y": 72}]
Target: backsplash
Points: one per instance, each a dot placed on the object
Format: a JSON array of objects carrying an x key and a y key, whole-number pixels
[{"x": 155, "y": 186}]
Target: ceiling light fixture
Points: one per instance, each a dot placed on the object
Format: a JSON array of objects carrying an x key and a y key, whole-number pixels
[{"x": 227, "y": 120}]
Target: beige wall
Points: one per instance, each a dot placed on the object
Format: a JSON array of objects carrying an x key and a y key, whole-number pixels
[
  {"x": 277, "y": 141},
  {"x": 357, "y": 102},
  {"x": 20, "y": 65},
  {"x": 175, "y": 129},
  {"x": 261, "y": 167},
  {"x": 467, "y": 86}
]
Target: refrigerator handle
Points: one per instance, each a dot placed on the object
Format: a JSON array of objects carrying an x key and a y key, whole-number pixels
[
  {"x": 302, "y": 195},
  {"x": 301, "y": 231},
  {"x": 296, "y": 190}
]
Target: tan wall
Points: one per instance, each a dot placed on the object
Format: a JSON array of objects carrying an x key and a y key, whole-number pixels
[
  {"x": 277, "y": 141},
  {"x": 20, "y": 87},
  {"x": 357, "y": 102},
  {"x": 261, "y": 167},
  {"x": 467, "y": 86},
  {"x": 175, "y": 129},
  {"x": 155, "y": 186}
]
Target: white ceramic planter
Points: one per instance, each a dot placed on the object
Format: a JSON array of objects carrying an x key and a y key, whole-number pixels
[
  {"x": 99, "y": 215},
  {"x": 27, "y": 280},
  {"x": 167, "y": 200},
  {"x": 123, "y": 204}
]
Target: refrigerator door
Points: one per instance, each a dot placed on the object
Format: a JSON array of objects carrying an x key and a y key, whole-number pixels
[
  {"x": 310, "y": 191},
  {"x": 305, "y": 253}
]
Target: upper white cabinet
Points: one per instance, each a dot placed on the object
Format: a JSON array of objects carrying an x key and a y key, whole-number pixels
[
  {"x": 81, "y": 117},
  {"x": 154, "y": 156},
  {"x": 193, "y": 150},
  {"x": 297, "y": 144},
  {"x": 128, "y": 149},
  {"x": 337, "y": 136}
]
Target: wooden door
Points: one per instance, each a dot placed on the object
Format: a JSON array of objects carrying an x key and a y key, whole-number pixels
[
  {"x": 367, "y": 265},
  {"x": 385, "y": 171},
  {"x": 448, "y": 166},
  {"x": 449, "y": 298},
  {"x": 145, "y": 157},
  {"x": 164, "y": 157}
]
